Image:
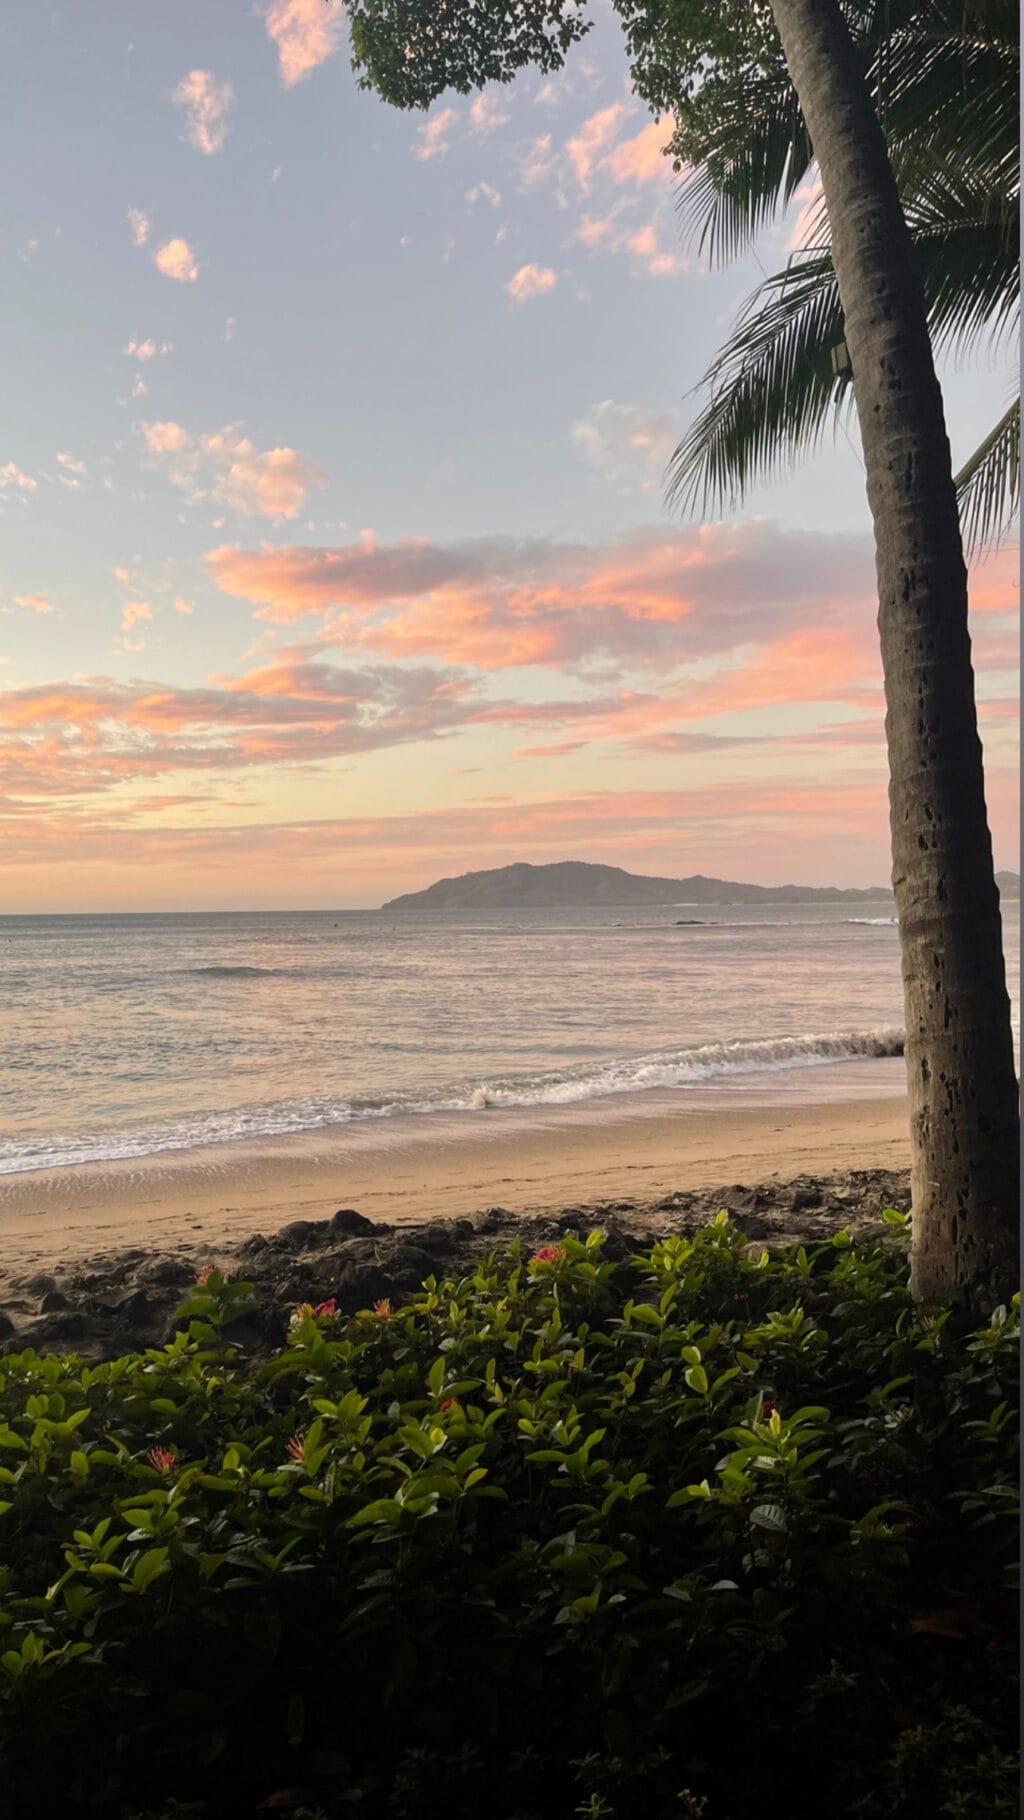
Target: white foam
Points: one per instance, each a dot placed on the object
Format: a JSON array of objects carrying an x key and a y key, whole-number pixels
[{"x": 675, "y": 1068}]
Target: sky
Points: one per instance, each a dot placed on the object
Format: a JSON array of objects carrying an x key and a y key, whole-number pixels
[{"x": 334, "y": 551}]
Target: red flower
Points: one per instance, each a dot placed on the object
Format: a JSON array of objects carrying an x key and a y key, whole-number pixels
[
  {"x": 548, "y": 1254},
  {"x": 161, "y": 1458},
  {"x": 383, "y": 1307},
  {"x": 767, "y": 1406},
  {"x": 297, "y": 1447},
  {"x": 327, "y": 1309},
  {"x": 449, "y": 1403}
]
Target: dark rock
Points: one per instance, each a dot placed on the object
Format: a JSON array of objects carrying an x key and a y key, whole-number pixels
[
  {"x": 7, "y": 1327},
  {"x": 409, "y": 1265},
  {"x": 357, "y": 1251},
  {"x": 172, "y": 1272},
  {"x": 53, "y": 1302},
  {"x": 360, "y": 1285},
  {"x": 348, "y": 1220},
  {"x": 463, "y": 1229},
  {"x": 134, "y": 1300},
  {"x": 803, "y": 1198},
  {"x": 438, "y": 1238},
  {"x": 38, "y": 1285},
  {"x": 491, "y": 1220},
  {"x": 298, "y": 1235}
]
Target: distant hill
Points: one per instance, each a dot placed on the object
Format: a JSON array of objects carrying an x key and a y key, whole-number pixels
[
  {"x": 575, "y": 884},
  {"x": 1009, "y": 884}
]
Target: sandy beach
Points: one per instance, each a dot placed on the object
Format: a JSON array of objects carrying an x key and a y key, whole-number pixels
[{"x": 412, "y": 1176}]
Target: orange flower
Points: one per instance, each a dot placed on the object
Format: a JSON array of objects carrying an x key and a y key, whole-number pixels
[
  {"x": 161, "y": 1458},
  {"x": 204, "y": 1276},
  {"x": 297, "y": 1447},
  {"x": 383, "y": 1307}
]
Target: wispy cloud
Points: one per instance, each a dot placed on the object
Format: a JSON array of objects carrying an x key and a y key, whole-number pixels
[
  {"x": 624, "y": 444},
  {"x": 587, "y": 144},
  {"x": 227, "y": 467},
  {"x": 305, "y": 33},
  {"x": 486, "y": 114},
  {"x": 431, "y": 140},
  {"x": 206, "y": 104},
  {"x": 12, "y": 476},
  {"x": 138, "y": 222},
  {"x": 37, "y": 603}
]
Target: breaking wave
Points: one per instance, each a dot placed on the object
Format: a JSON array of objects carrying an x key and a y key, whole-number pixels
[{"x": 682, "y": 1068}]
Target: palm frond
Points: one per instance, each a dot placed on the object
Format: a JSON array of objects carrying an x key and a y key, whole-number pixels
[
  {"x": 771, "y": 388},
  {"x": 754, "y": 154},
  {"x": 988, "y": 485}
]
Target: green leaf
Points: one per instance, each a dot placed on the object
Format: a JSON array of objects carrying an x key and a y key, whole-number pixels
[
  {"x": 147, "y": 1568},
  {"x": 771, "y": 1517}
]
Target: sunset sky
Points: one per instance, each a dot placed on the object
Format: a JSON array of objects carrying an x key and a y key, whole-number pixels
[{"x": 334, "y": 548}]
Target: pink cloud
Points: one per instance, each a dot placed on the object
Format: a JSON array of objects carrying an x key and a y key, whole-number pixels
[
  {"x": 163, "y": 438},
  {"x": 228, "y": 467},
  {"x": 430, "y": 140},
  {"x": 133, "y": 612},
  {"x": 486, "y": 114},
  {"x": 588, "y": 142},
  {"x": 644, "y": 245},
  {"x": 175, "y": 259},
  {"x": 642, "y": 159},
  {"x": 38, "y": 603},
  {"x": 537, "y": 163},
  {"x": 657, "y": 596},
  {"x": 12, "y": 476},
  {"x": 531, "y": 281},
  {"x": 206, "y": 104},
  {"x": 305, "y": 33}
]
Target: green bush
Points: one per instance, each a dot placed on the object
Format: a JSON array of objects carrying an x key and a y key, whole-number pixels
[{"x": 703, "y": 1533}]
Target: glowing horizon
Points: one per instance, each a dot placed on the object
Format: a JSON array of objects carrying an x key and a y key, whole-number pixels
[{"x": 331, "y": 483}]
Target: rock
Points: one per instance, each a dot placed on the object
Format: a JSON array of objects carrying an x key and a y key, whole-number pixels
[
  {"x": 53, "y": 1302},
  {"x": 463, "y": 1229},
  {"x": 360, "y": 1285},
  {"x": 38, "y": 1285},
  {"x": 173, "y": 1272},
  {"x": 803, "y": 1198},
  {"x": 357, "y": 1251},
  {"x": 7, "y": 1327},
  {"x": 409, "y": 1265},
  {"x": 490, "y": 1220},
  {"x": 348, "y": 1220},
  {"x": 438, "y": 1239},
  {"x": 298, "y": 1235}
]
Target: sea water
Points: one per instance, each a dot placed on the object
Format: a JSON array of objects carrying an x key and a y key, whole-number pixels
[{"x": 127, "y": 1036}]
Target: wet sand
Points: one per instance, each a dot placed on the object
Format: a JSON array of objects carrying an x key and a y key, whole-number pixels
[{"x": 429, "y": 1170}]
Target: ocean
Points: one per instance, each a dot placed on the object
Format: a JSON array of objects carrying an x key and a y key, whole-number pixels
[{"x": 128, "y": 1036}]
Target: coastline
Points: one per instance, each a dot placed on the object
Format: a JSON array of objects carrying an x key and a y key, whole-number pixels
[{"x": 410, "y": 1177}]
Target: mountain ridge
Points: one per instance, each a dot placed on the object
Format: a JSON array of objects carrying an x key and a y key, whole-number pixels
[{"x": 568, "y": 884}]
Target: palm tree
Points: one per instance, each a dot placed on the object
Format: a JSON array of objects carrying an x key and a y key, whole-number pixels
[
  {"x": 959, "y": 1046},
  {"x": 945, "y": 81}
]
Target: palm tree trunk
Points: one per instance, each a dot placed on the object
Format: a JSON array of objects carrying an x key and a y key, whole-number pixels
[{"x": 960, "y": 1064}]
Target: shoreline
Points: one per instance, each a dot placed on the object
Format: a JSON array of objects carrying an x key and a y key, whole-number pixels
[{"x": 226, "y": 1193}]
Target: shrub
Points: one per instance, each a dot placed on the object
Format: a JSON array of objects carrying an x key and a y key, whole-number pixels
[{"x": 681, "y": 1535}]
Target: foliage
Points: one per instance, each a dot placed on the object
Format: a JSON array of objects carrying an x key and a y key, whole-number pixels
[
  {"x": 945, "y": 81},
  {"x": 557, "y": 1536},
  {"x": 944, "y": 78}
]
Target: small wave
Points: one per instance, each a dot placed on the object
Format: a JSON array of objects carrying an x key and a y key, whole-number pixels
[
  {"x": 874, "y": 922},
  {"x": 230, "y": 973},
  {"x": 682, "y": 1068}
]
